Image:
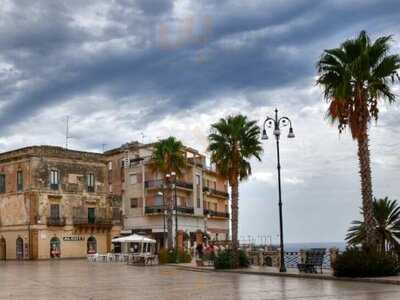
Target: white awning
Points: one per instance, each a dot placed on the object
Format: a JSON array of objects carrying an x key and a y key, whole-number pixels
[{"x": 134, "y": 238}]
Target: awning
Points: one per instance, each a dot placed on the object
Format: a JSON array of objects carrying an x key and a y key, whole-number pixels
[{"x": 134, "y": 238}]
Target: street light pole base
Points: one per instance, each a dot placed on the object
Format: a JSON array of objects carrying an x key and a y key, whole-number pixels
[{"x": 282, "y": 270}]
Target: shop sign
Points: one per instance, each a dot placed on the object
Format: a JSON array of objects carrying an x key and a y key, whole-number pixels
[{"x": 73, "y": 238}]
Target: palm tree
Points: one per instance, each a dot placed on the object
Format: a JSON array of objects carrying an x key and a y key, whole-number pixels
[
  {"x": 387, "y": 216},
  {"x": 232, "y": 142},
  {"x": 168, "y": 156},
  {"x": 355, "y": 77}
]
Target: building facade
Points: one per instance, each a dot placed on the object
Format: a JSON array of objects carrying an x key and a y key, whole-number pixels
[
  {"x": 202, "y": 197},
  {"x": 55, "y": 203}
]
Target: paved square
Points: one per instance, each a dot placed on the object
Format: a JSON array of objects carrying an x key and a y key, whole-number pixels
[{"x": 78, "y": 279}]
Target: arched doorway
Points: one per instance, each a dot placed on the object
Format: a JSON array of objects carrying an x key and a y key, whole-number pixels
[
  {"x": 3, "y": 248},
  {"x": 91, "y": 245},
  {"x": 19, "y": 249},
  {"x": 55, "y": 249}
]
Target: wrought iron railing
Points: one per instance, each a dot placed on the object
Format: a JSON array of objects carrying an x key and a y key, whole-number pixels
[
  {"x": 294, "y": 258},
  {"x": 92, "y": 221},
  {"x": 213, "y": 213},
  {"x": 159, "y": 209},
  {"x": 55, "y": 221},
  {"x": 215, "y": 192},
  {"x": 159, "y": 184}
]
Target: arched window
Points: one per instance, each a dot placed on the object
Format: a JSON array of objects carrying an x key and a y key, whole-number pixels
[
  {"x": 19, "y": 253},
  {"x": 55, "y": 249},
  {"x": 91, "y": 245},
  {"x": 3, "y": 248}
]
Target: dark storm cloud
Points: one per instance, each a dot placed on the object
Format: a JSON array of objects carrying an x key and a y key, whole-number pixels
[{"x": 142, "y": 51}]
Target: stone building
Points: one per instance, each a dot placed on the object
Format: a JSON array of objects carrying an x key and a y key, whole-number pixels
[
  {"x": 201, "y": 192},
  {"x": 54, "y": 203}
]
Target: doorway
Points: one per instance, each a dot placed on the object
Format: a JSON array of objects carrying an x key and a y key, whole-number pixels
[
  {"x": 55, "y": 249},
  {"x": 19, "y": 249},
  {"x": 3, "y": 248},
  {"x": 91, "y": 245}
]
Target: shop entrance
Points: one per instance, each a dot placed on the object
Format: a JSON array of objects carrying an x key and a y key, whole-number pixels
[
  {"x": 91, "y": 245},
  {"x": 3, "y": 248},
  {"x": 55, "y": 249},
  {"x": 19, "y": 249}
]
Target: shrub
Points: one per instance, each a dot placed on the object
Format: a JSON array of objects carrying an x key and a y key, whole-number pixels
[
  {"x": 225, "y": 260},
  {"x": 358, "y": 263},
  {"x": 163, "y": 256},
  {"x": 171, "y": 256}
]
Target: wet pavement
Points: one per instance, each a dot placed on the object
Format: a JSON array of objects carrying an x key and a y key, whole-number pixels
[{"x": 78, "y": 279}]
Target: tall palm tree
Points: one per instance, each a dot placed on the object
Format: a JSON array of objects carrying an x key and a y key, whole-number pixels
[
  {"x": 232, "y": 142},
  {"x": 167, "y": 157},
  {"x": 355, "y": 77},
  {"x": 387, "y": 216}
]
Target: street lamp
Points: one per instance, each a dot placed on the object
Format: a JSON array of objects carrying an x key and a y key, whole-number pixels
[
  {"x": 206, "y": 217},
  {"x": 164, "y": 212},
  {"x": 277, "y": 123},
  {"x": 172, "y": 176}
]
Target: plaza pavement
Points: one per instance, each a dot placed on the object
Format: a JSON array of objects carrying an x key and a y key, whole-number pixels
[
  {"x": 78, "y": 279},
  {"x": 291, "y": 272}
]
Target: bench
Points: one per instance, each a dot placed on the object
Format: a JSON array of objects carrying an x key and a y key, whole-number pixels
[{"x": 314, "y": 259}]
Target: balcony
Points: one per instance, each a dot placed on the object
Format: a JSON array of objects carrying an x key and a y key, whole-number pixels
[
  {"x": 217, "y": 193},
  {"x": 217, "y": 214},
  {"x": 92, "y": 216},
  {"x": 160, "y": 209},
  {"x": 93, "y": 222},
  {"x": 158, "y": 184},
  {"x": 55, "y": 221}
]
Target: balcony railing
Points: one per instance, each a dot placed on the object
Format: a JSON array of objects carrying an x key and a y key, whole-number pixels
[
  {"x": 216, "y": 192},
  {"x": 159, "y": 209},
  {"x": 55, "y": 221},
  {"x": 97, "y": 221},
  {"x": 213, "y": 213},
  {"x": 159, "y": 183}
]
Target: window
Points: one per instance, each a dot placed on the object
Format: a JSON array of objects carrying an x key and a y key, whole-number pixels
[
  {"x": 2, "y": 183},
  {"x": 110, "y": 165},
  {"x": 134, "y": 202},
  {"x": 208, "y": 183},
  {"x": 54, "y": 179},
  {"x": 110, "y": 188},
  {"x": 198, "y": 191},
  {"x": 198, "y": 180},
  {"x": 91, "y": 215},
  {"x": 158, "y": 200},
  {"x": 90, "y": 182},
  {"x": 133, "y": 178},
  {"x": 54, "y": 211},
  {"x": 20, "y": 181},
  {"x": 215, "y": 206},
  {"x": 215, "y": 185}
]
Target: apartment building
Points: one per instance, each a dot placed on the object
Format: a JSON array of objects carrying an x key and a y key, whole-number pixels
[
  {"x": 202, "y": 197},
  {"x": 54, "y": 203}
]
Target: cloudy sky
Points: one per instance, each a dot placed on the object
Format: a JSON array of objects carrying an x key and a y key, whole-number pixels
[{"x": 128, "y": 70}]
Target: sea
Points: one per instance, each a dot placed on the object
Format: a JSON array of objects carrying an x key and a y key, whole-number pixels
[{"x": 289, "y": 247}]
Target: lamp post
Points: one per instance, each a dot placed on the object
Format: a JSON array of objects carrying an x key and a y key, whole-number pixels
[
  {"x": 172, "y": 178},
  {"x": 164, "y": 212},
  {"x": 173, "y": 175},
  {"x": 277, "y": 123}
]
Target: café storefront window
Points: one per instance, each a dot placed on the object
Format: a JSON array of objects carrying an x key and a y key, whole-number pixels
[
  {"x": 55, "y": 249},
  {"x": 91, "y": 245}
]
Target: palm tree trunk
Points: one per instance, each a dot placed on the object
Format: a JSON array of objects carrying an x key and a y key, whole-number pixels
[
  {"x": 169, "y": 230},
  {"x": 170, "y": 240},
  {"x": 235, "y": 217},
  {"x": 366, "y": 189}
]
